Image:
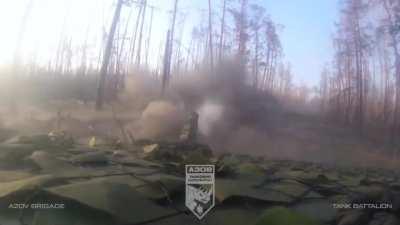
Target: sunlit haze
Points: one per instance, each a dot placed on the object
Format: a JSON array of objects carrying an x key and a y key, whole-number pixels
[
  {"x": 306, "y": 36},
  {"x": 232, "y": 112}
]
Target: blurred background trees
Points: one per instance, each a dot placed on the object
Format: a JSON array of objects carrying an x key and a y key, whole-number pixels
[{"x": 361, "y": 88}]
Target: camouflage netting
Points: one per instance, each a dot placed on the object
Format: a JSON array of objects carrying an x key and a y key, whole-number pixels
[{"x": 108, "y": 184}]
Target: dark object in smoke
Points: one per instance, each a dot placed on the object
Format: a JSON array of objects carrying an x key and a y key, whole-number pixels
[
  {"x": 241, "y": 106},
  {"x": 190, "y": 128}
]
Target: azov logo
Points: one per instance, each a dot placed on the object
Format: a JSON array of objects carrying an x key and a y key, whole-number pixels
[{"x": 200, "y": 189}]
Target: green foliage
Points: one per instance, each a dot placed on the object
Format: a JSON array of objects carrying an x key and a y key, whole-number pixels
[
  {"x": 250, "y": 169},
  {"x": 284, "y": 216}
]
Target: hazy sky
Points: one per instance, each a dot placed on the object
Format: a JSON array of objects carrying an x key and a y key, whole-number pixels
[
  {"x": 309, "y": 25},
  {"x": 306, "y": 38}
]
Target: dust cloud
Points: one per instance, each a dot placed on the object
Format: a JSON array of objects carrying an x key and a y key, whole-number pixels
[{"x": 233, "y": 115}]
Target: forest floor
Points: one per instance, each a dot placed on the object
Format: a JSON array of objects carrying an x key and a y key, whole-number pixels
[
  {"x": 310, "y": 138},
  {"x": 312, "y": 173},
  {"x": 295, "y": 135}
]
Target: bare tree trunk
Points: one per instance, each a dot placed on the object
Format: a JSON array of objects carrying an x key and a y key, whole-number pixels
[
  {"x": 168, "y": 51},
  {"x": 189, "y": 52},
  {"x": 266, "y": 69},
  {"x": 359, "y": 66},
  {"x": 396, "y": 113},
  {"x": 106, "y": 57},
  {"x": 271, "y": 74},
  {"x": 386, "y": 84},
  {"x": 210, "y": 31},
  {"x": 149, "y": 36},
  {"x": 242, "y": 48},
  {"x": 173, "y": 26},
  {"x": 221, "y": 38},
  {"x": 256, "y": 61},
  {"x": 122, "y": 46},
  {"x": 349, "y": 94},
  {"x": 178, "y": 51},
  {"x": 269, "y": 71},
  {"x": 133, "y": 44},
  {"x": 360, "y": 85},
  {"x": 139, "y": 52},
  {"x": 82, "y": 68},
  {"x": 167, "y": 64}
]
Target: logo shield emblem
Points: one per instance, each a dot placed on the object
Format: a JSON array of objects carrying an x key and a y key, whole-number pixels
[{"x": 200, "y": 189}]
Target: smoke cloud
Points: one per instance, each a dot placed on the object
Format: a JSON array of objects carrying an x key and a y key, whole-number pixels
[{"x": 232, "y": 114}]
